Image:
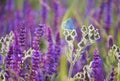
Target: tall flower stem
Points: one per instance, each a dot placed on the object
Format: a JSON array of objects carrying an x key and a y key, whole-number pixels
[{"x": 70, "y": 70}]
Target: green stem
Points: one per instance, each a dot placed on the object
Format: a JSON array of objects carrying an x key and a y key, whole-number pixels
[{"x": 70, "y": 70}]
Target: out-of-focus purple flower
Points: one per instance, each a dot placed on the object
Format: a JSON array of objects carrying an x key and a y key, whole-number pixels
[
  {"x": 57, "y": 46},
  {"x": 110, "y": 42},
  {"x": 29, "y": 20},
  {"x": 18, "y": 21},
  {"x": 97, "y": 15},
  {"x": 112, "y": 75},
  {"x": 57, "y": 51},
  {"x": 97, "y": 68},
  {"x": 1, "y": 59},
  {"x": 101, "y": 10},
  {"x": 9, "y": 5},
  {"x": 50, "y": 61},
  {"x": 90, "y": 6},
  {"x": 9, "y": 8},
  {"x": 44, "y": 12},
  {"x": 56, "y": 10},
  {"x": 108, "y": 15}
]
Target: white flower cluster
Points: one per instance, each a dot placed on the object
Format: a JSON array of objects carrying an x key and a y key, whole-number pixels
[
  {"x": 116, "y": 51},
  {"x": 89, "y": 36},
  {"x": 5, "y": 42},
  {"x": 70, "y": 35},
  {"x": 87, "y": 70}
]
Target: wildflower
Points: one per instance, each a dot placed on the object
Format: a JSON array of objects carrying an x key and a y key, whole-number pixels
[
  {"x": 57, "y": 51},
  {"x": 38, "y": 33},
  {"x": 9, "y": 60},
  {"x": 36, "y": 56},
  {"x": 97, "y": 67},
  {"x": 108, "y": 15},
  {"x": 50, "y": 67},
  {"x": 110, "y": 42},
  {"x": 56, "y": 14},
  {"x": 22, "y": 38},
  {"x": 44, "y": 11},
  {"x": 90, "y": 6}
]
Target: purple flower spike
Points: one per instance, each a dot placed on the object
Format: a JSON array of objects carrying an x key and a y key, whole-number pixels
[
  {"x": 9, "y": 8},
  {"x": 38, "y": 33},
  {"x": 110, "y": 42},
  {"x": 97, "y": 67},
  {"x": 56, "y": 14},
  {"x": 108, "y": 15},
  {"x": 9, "y": 5},
  {"x": 9, "y": 58},
  {"x": 9, "y": 62},
  {"x": 44, "y": 12},
  {"x": 22, "y": 38},
  {"x": 36, "y": 58},
  {"x": 18, "y": 18},
  {"x": 57, "y": 47},
  {"x": 1, "y": 58},
  {"x": 50, "y": 62},
  {"x": 57, "y": 51},
  {"x": 90, "y": 6}
]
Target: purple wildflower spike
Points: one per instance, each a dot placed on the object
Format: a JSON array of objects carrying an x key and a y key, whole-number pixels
[
  {"x": 108, "y": 15},
  {"x": 18, "y": 18},
  {"x": 18, "y": 57},
  {"x": 9, "y": 62},
  {"x": 22, "y": 38},
  {"x": 97, "y": 15},
  {"x": 44, "y": 12},
  {"x": 97, "y": 67},
  {"x": 56, "y": 14},
  {"x": 50, "y": 67},
  {"x": 1, "y": 59},
  {"x": 110, "y": 42},
  {"x": 9, "y": 8},
  {"x": 9, "y": 58},
  {"x": 101, "y": 10},
  {"x": 36, "y": 56},
  {"x": 112, "y": 75},
  {"x": 57, "y": 50},
  {"x": 57, "y": 47},
  {"x": 90, "y": 6},
  {"x": 9, "y": 5},
  {"x": 38, "y": 33}
]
